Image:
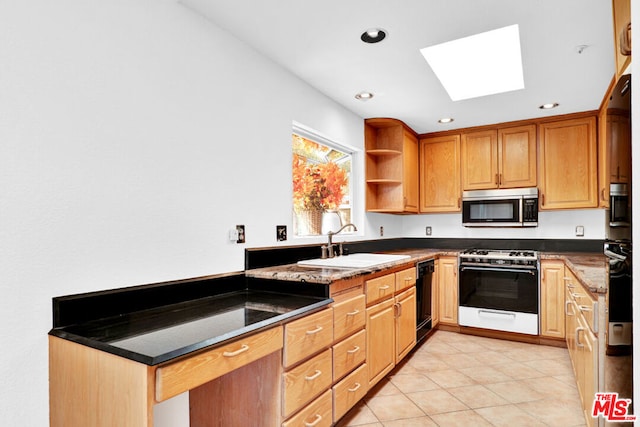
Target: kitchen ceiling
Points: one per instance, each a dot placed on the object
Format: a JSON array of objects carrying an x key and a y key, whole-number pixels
[{"x": 319, "y": 41}]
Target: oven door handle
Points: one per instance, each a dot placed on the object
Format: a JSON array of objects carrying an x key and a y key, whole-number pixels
[{"x": 508, "y": 270}]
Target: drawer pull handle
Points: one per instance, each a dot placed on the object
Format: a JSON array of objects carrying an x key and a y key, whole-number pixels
[
  {"x": 353, "y": 313},
  {"x": 314, "y": 376},
  {"x": 354, "y": 350},
  {"x": 354, "y": 388},
  {"x": 585, "y": 308},
  {"x": 314, "y": 422},
  {"x": 566, "y": 308},
  {"x": 314, "y": 331},
  {"x": 237, "y": 352},
  {"x": 578, "y": 343},
  {"x": 384, "y": 288}
]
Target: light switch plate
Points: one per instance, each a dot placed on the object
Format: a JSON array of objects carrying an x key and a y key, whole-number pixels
[{"x": 579, "y": 230}]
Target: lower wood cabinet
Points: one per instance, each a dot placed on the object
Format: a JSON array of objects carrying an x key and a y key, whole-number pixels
[
  {"x": 582, "y": 342},
  {"x": 306, "y": 381},
  {"x": 380, "y": 340},
  {"x": 447, "y": 268},
  {"x": 552, "y": 285},
  {"x": 405, "y": 323},
  {"x": 391, "y": 323}
]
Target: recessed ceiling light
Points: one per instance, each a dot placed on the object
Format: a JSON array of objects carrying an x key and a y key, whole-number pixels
[
  {"x": 363, "y": 96},
  {"x": 455, "y": 63},
  {"x": 548, "y": 106},
  {"x": 445, "y": 120},
  {"x": 373, "y": 35}
]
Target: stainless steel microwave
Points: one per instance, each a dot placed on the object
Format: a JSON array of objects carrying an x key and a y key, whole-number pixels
[
  {"x": 619, "y": 205},
  {"x": 513, "y": 207}
]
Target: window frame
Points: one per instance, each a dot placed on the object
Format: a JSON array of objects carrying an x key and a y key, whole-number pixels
[{"x": 356, "y": 175}]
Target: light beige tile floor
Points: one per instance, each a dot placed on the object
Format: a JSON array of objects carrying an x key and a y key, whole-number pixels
[{"x": 462, "y": 380}]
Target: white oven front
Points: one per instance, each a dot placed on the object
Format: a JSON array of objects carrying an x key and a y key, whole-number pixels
[{"x": 499, "y": 298}]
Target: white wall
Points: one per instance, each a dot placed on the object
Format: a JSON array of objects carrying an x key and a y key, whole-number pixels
[{"x": 133, "y": 135}]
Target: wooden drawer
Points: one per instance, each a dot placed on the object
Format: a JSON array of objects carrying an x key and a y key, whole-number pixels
[
  {"x": 380, "y": 288},
  {"x": 306, "y": 336},
  {"x": 185, "y": 374},
  {"x": 586, "y": 303},
  {"x": 405, "y": 279},
  {"x": 348, "y": 317},
  {"x": 305, "y": 382},
  {"x": 349, "y": 391},
  {"x": 348, "y": 354},
  {"x": 317, "y": 413}
]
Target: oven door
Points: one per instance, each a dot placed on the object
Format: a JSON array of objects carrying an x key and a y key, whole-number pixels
[
  {"x": 492, "y": 212},
  {"x": 500, "y": 298}
]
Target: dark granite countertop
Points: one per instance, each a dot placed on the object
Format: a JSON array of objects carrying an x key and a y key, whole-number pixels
[{"x": 158, "y": 333}]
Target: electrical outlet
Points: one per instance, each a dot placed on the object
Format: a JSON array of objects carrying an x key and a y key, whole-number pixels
[
  {"x": 281, "y": 233},
  {"x": 428, "y": 230},
  {"x": 579, "y": 230},
  {"x": 241, "y": 235},
  {"x": 381, "y": 231}
]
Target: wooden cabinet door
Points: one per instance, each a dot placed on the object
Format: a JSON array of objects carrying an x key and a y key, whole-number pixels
[
  {"x": 440, "y": 174},
  {"x": 380, "y": 344},
  {"x": 603, "y": 156},
  {"x": 410, "y": 172},
  {"x": 479, "y": 151},
  {"x": 621, "y": 17},
  {"x": 517, "y": 165},
  {"x": 405, "y": 323},
  {"x": 568, "y": 164},
  {"x": 552, "y": 292},
  {"x": 571, "y": 324},
  {"x": 448, "y": 288},
  {"x": 619, "y": 139}
]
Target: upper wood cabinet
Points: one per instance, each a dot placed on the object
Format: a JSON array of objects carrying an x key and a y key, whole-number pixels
[
  {"x": 568, "y": 164},
  {"x": 614, "y": 138},
  {"x": 622, "y": 31},
  {"x": 619, "y": 148},
  {"x": 391, "y": 167},
  {"x": 440, "y": 174},
  {"x": 503, "y": 158}
]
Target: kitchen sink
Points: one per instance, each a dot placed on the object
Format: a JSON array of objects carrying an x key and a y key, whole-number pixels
[{"x": 361, "y": 260}]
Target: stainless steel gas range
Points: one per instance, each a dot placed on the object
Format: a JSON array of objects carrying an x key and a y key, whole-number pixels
[{"x": 499, "y": 290}]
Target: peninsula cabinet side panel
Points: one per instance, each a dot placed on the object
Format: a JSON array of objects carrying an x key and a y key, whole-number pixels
[
  {"x": 247, "y": 396},
  {"x": 89, "y": 387}
]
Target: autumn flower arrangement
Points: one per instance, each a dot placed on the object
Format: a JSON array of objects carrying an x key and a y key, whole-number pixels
[{"x": 317, "y": 187}]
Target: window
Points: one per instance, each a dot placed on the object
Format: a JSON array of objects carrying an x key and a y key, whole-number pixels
[{"x": 321, "y": 184}]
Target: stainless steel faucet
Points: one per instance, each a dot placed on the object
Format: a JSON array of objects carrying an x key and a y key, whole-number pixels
[{"x": 330, "y": 253}]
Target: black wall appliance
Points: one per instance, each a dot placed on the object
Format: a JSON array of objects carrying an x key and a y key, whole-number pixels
[
  {"x": 425, "y": 271},
  {"x": 619, "y": 215},
  {"x": 620, "y": 295}
]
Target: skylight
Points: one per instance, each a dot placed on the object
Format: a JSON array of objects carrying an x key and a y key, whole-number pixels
[{"x": 483, "y": 64}]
